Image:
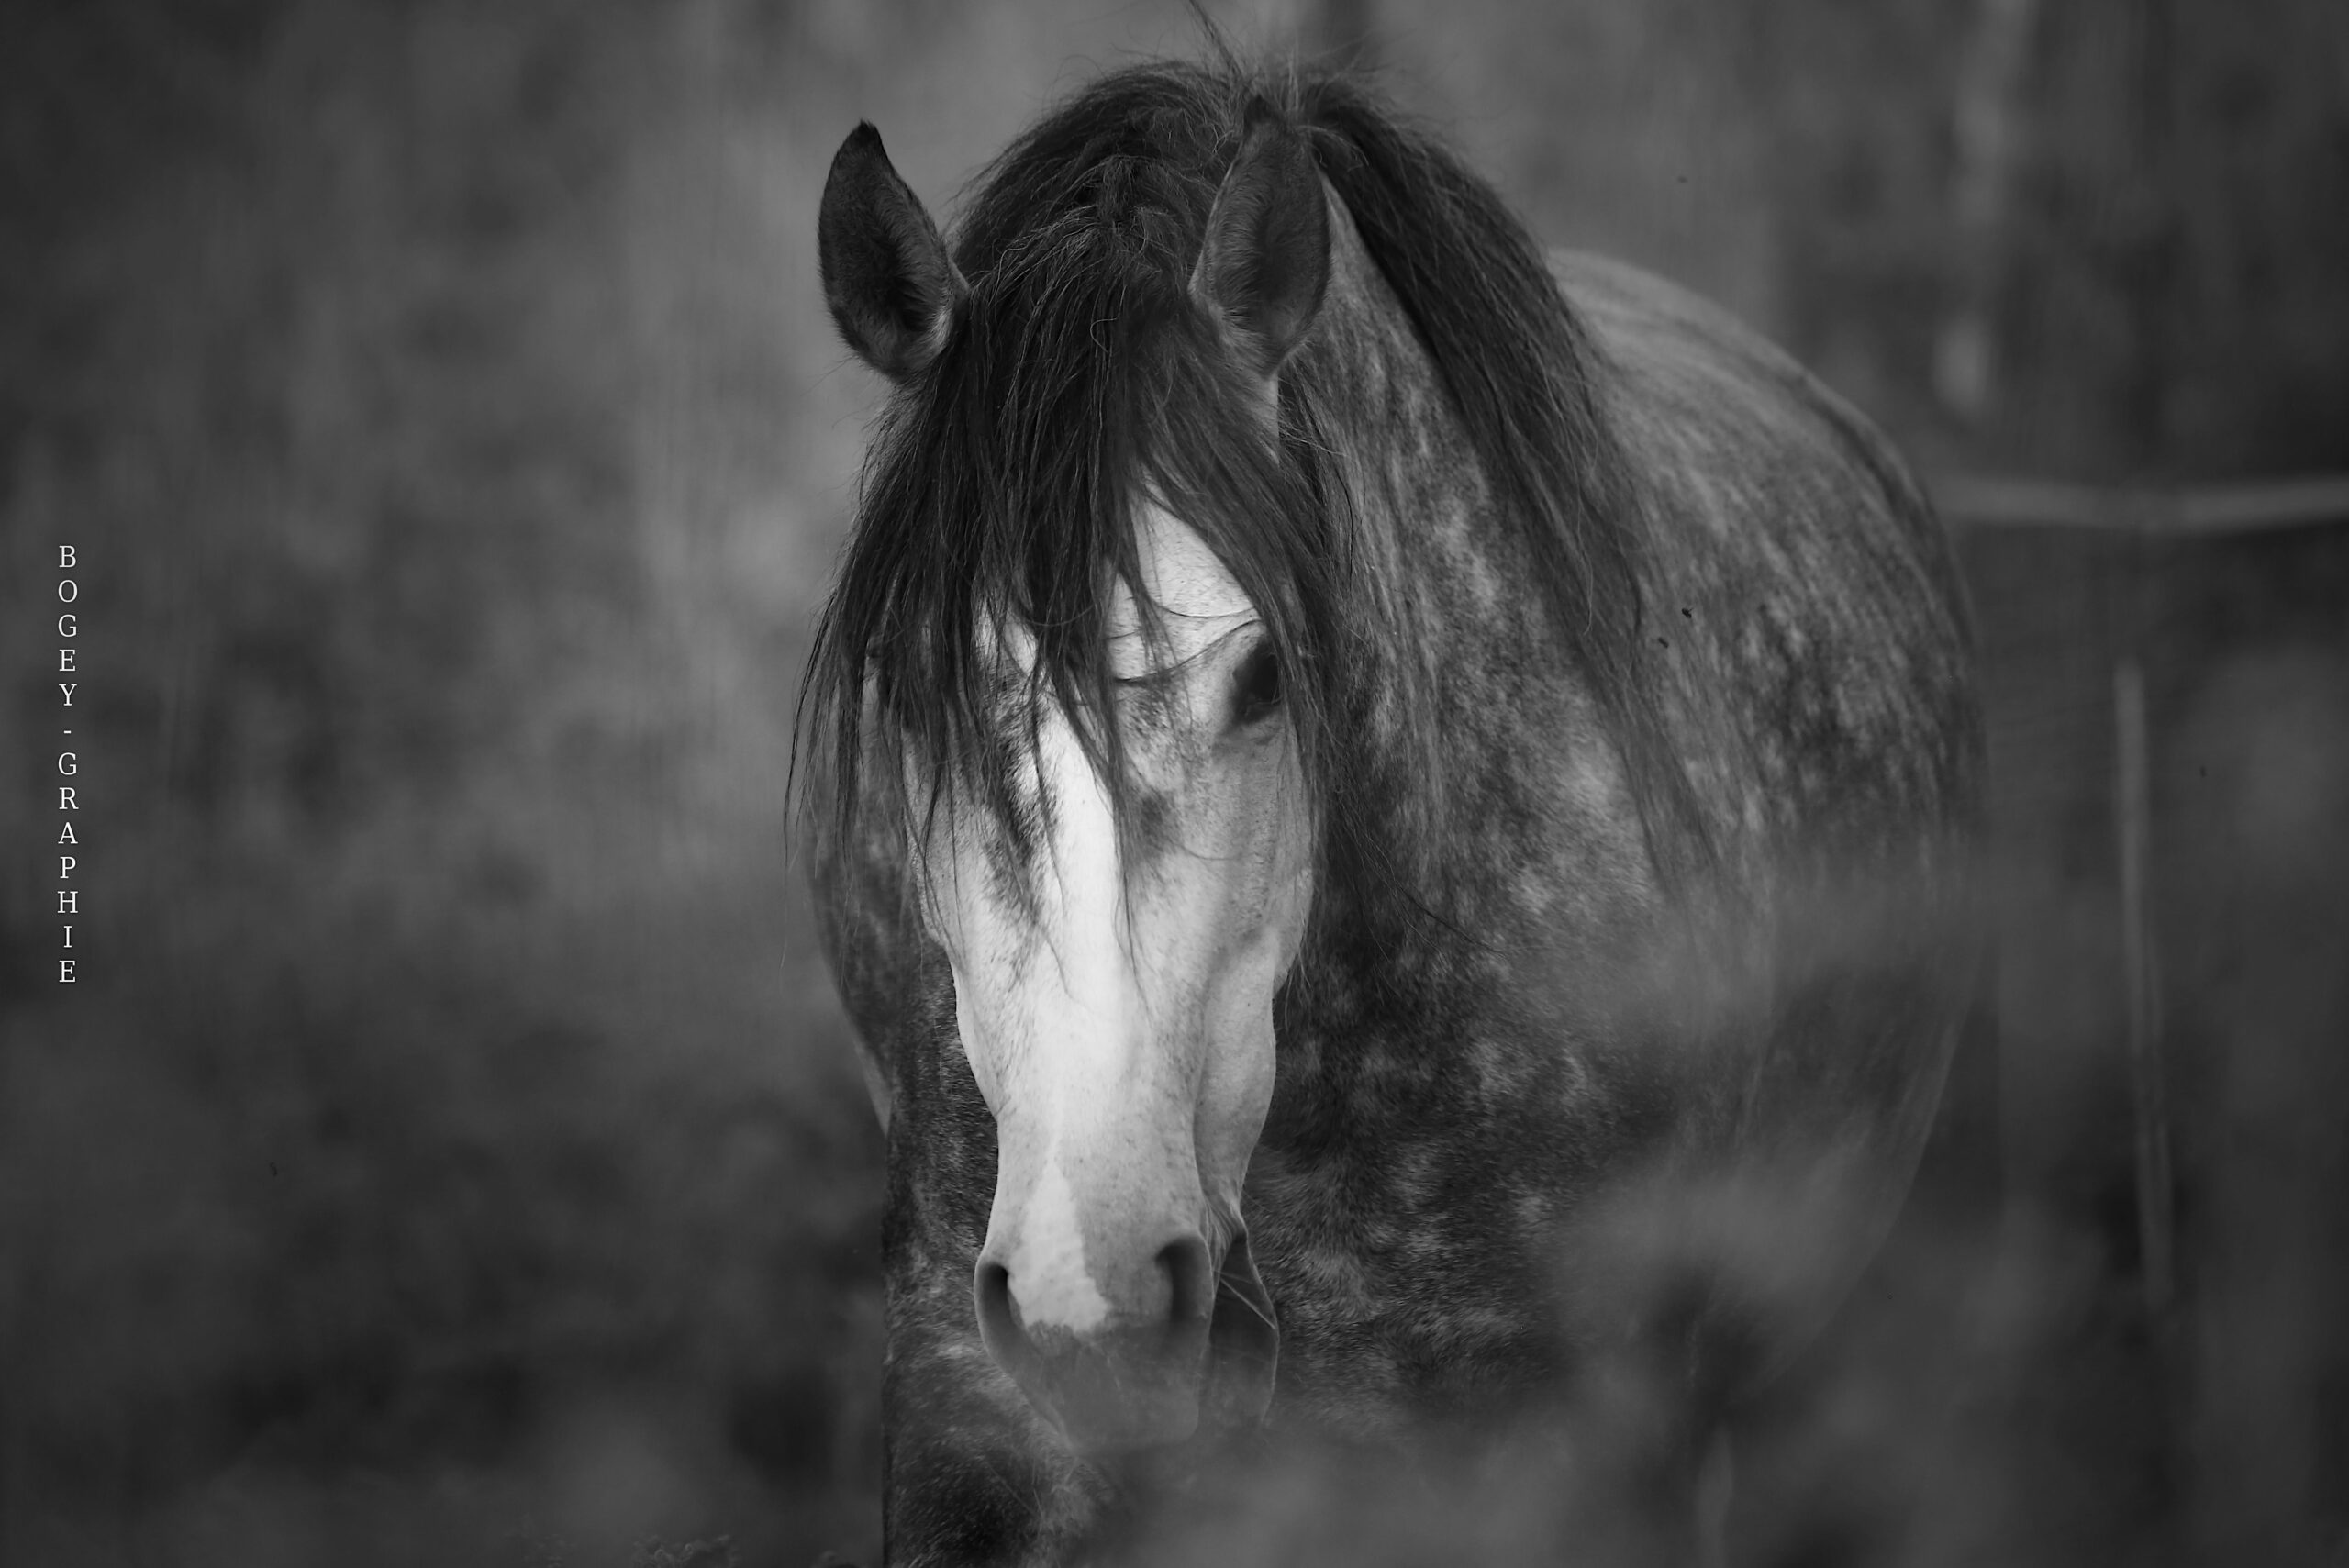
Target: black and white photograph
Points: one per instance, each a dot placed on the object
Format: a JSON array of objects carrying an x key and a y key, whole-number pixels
[{"x": 1175, "y": 783}]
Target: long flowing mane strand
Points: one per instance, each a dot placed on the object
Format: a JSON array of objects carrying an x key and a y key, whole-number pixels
[{"x": 1520, "y": 367}]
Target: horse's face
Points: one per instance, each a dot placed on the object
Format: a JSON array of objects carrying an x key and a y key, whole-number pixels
[
  {"x": 1114, "y": 989},
  {"x": 1116, "y": 1005}
]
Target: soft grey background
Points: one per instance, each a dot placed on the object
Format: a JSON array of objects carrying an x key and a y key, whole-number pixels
[{"x": 452, "y": 1152}]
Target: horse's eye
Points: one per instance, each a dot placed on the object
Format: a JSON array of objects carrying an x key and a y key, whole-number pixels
[{"x": 1256, "y": 686}]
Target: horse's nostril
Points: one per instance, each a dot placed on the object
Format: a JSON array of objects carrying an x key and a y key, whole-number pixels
[
  {"x": 999, "y": 1328},
  {"x": 994, "y": 1288},
  {"x": 1190, "y": 1281}
]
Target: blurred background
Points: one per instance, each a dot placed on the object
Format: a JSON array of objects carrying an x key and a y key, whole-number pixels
[{"x": 452, "y": 1152}]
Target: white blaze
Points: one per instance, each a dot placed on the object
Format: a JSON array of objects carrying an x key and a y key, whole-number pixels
[
  {"x": 1049, "y": 1258},
  {"x": 1120, "y": 1030},
  {"x": 1072, "y": 1019}
]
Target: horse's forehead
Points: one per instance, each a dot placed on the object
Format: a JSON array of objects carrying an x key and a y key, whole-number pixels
[{"x": 1198, "y": 598}]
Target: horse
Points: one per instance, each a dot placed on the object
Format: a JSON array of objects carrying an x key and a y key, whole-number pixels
[{"x": 1392, "y": 817}]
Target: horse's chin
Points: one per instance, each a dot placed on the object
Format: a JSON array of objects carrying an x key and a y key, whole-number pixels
[
  {"x": 1104, "y": 1409},
  {"x": 1111, "y": 1398}
]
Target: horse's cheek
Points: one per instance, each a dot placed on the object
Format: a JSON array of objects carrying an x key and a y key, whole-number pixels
[
  {"x": 1256, "y": 923},
  {"x": 1236, "y": 1093}
]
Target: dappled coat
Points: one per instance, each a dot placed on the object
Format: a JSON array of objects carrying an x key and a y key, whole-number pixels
[{"x": 1394, "y": 825}]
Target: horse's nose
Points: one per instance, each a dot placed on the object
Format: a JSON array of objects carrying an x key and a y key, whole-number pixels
[{"x": 1125, "y": 1372}]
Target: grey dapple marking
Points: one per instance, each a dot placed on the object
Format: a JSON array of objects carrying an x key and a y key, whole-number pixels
[{"x": 1504, "y": 747}]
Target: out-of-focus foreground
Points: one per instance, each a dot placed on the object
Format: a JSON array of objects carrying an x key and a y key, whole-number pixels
[{"x": 451, "y": 1151}]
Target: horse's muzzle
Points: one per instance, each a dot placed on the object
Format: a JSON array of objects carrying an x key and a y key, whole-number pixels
[{"x": 1202, "y": 1346}]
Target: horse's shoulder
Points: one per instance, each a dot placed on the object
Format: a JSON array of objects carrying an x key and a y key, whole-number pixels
[
  {"x": 1810, "y": 563},
  {"x": 1689, "y": 380},
  {"x": 1619, "y": 301},
  {"x": 1671, "y": 347}
]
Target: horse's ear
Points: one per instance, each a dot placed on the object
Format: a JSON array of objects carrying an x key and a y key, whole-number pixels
[
  {"x": 892, "y": 287},
  {"x": 1265, "y": 260}
]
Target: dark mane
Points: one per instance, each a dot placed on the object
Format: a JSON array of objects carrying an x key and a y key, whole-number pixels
[{"x": 1079, "y": 375}]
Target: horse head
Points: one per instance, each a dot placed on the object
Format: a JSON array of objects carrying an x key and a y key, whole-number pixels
[{"x": 1119, "y": 874}]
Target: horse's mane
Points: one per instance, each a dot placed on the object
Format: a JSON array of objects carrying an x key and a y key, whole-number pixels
[{"x": 1079, "y": 375}]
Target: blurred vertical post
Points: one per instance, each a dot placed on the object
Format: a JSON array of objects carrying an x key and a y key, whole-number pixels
[
  {"x": 2132, "y": 818},
  {"x": 1988, "y": 138},
  {"x": 2142, "y": 239}
]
